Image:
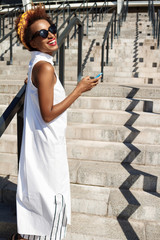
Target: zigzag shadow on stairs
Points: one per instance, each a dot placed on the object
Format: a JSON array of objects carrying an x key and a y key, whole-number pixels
[{"x": 149, "y": 180}]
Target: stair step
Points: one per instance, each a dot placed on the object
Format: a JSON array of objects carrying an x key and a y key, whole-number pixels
[
  {"x": 102, "y": 174},
  {"x": 129, "y": 80},
  {"x": 8, "y": 143},
  {"x": 12, "y": 88},
  {"x": 8, "y": 163},
  {"x": 113, "y": 152},
  {"x": 148, "y": 69},
  {"x": 127, "y": 75},
  {"x": 113, "y": 117},
  {"x": 101, "y": 228},
  {"x": 21, "y": 76},
  {"x": 104, "y": 201},
  {"x": 6, "y": 98},
  {"x": 107, "y": 133},
  {"x": 101, "y": 205},
  {"x": 117, "y": 103},
  {"x": 119, "y": 90}
]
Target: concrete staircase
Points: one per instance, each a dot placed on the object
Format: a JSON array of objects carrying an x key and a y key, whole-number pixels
[{"x": 112, "y": 138}]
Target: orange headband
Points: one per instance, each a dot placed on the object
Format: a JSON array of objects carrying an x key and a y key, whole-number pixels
[{"x": 23, "y": 24}]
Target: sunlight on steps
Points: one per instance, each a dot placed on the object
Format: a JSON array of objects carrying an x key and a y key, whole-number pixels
[{"x": 113, "y": 137}]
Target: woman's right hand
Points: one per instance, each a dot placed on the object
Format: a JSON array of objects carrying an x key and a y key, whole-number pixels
[{"x": 87, "y": 84}]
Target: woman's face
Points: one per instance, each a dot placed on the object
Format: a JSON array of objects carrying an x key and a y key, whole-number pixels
[{"x": 46, "y": 45}]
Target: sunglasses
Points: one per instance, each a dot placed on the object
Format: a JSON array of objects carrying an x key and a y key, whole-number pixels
[{"x": 44, "y": 33}]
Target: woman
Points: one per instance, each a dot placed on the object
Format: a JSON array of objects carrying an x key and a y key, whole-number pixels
[{"x": 43, "y": 192}]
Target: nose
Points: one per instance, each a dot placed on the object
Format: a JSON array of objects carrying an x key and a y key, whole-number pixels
[{"x": 51, "y": 35}]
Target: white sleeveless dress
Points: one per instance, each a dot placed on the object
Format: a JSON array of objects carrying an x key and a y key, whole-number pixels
[{"x": 43, "y": 191}]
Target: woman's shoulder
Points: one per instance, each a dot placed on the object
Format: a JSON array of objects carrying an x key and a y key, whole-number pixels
[{"x": 43, "y": 65}]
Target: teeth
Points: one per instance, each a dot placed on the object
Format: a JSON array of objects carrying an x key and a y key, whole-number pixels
[{"x": 52, "y": 42}]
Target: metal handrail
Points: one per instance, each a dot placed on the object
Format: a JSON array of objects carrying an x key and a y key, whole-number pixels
[
  {"x": 10, "y": 36},
  {"x": 11, "y": 110},
  {"x": 80, "y": 7},
  {"x": 87, "y": 16},
  {"x": 16, "y": 106},
  {"x": 74, "y": 21},
  {"x": 60, "y": 12},
  {"x": 158, "y": 28},
  {"x": 75, "y": 13},
  {"x": 10, "y": 16},
  {"x": 109, "y": 32},
  {"x": 66, "y": 4},
  {"x": 155, "y": 21},
  {"x": 122, "y": 17},
  {"x": 102, "y": 8},
  {"x": 152, "y": 17},
  {"x": 15, "y": 10}
]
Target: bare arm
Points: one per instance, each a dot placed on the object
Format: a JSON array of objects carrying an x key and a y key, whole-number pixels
[{"x": 44, "y": 79}]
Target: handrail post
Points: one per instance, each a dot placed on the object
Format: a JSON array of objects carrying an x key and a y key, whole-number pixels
[
  {"x": 92, "y": 17},
  {"x": 87, "y": 24},
  {"x": 96, "y": 12},
  {"x": 157, "y": 25},
  {"x": 80, "y": 37},
  {"x": 3, "y": 26},
  {"x": 12, "y": 19},
  {"x": 11, "y": 53},
  {"x": 158, "y": 29},
  {"x": 75, "y": 28},
  {"x": 69, "y": 10},
  {"x": 9, "y": 17},
  {"x": 102, "y": 61},
  {"x": 127, "y": 6},
  {"x": 112, "y": 35},
  {"x": 57, "y": 20},
  {"x": 107, "y": 52},
  {"x": 111, "y": 25},
  {"x": 0, "y": 25},
  {"x": 102, "y": 15},
  {"x": 61, "y": 63},
  {"x": 19, "y": 130},
  {"x": 149, "y": 10},
  {"x": 115, "y": 25},
  {"x": 118, "y": 26},
  {"x": 57, "y": 53},
  {"x": 68, "y": 38}
]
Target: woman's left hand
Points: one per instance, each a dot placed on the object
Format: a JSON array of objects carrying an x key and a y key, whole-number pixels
[{"x": 25, "y": 81}]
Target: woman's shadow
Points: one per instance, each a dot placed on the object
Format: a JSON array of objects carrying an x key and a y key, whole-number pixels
[{"x": 7, "y": 207}]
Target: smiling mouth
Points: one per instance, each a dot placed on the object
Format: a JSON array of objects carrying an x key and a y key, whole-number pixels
[{"x": 52, "y": 42}]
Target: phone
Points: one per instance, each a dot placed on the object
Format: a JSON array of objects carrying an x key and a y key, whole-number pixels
[{"x": 98, "y": 75}]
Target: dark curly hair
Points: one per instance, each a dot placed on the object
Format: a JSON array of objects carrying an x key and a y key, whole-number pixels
[{"x": 38, "y": 12}]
